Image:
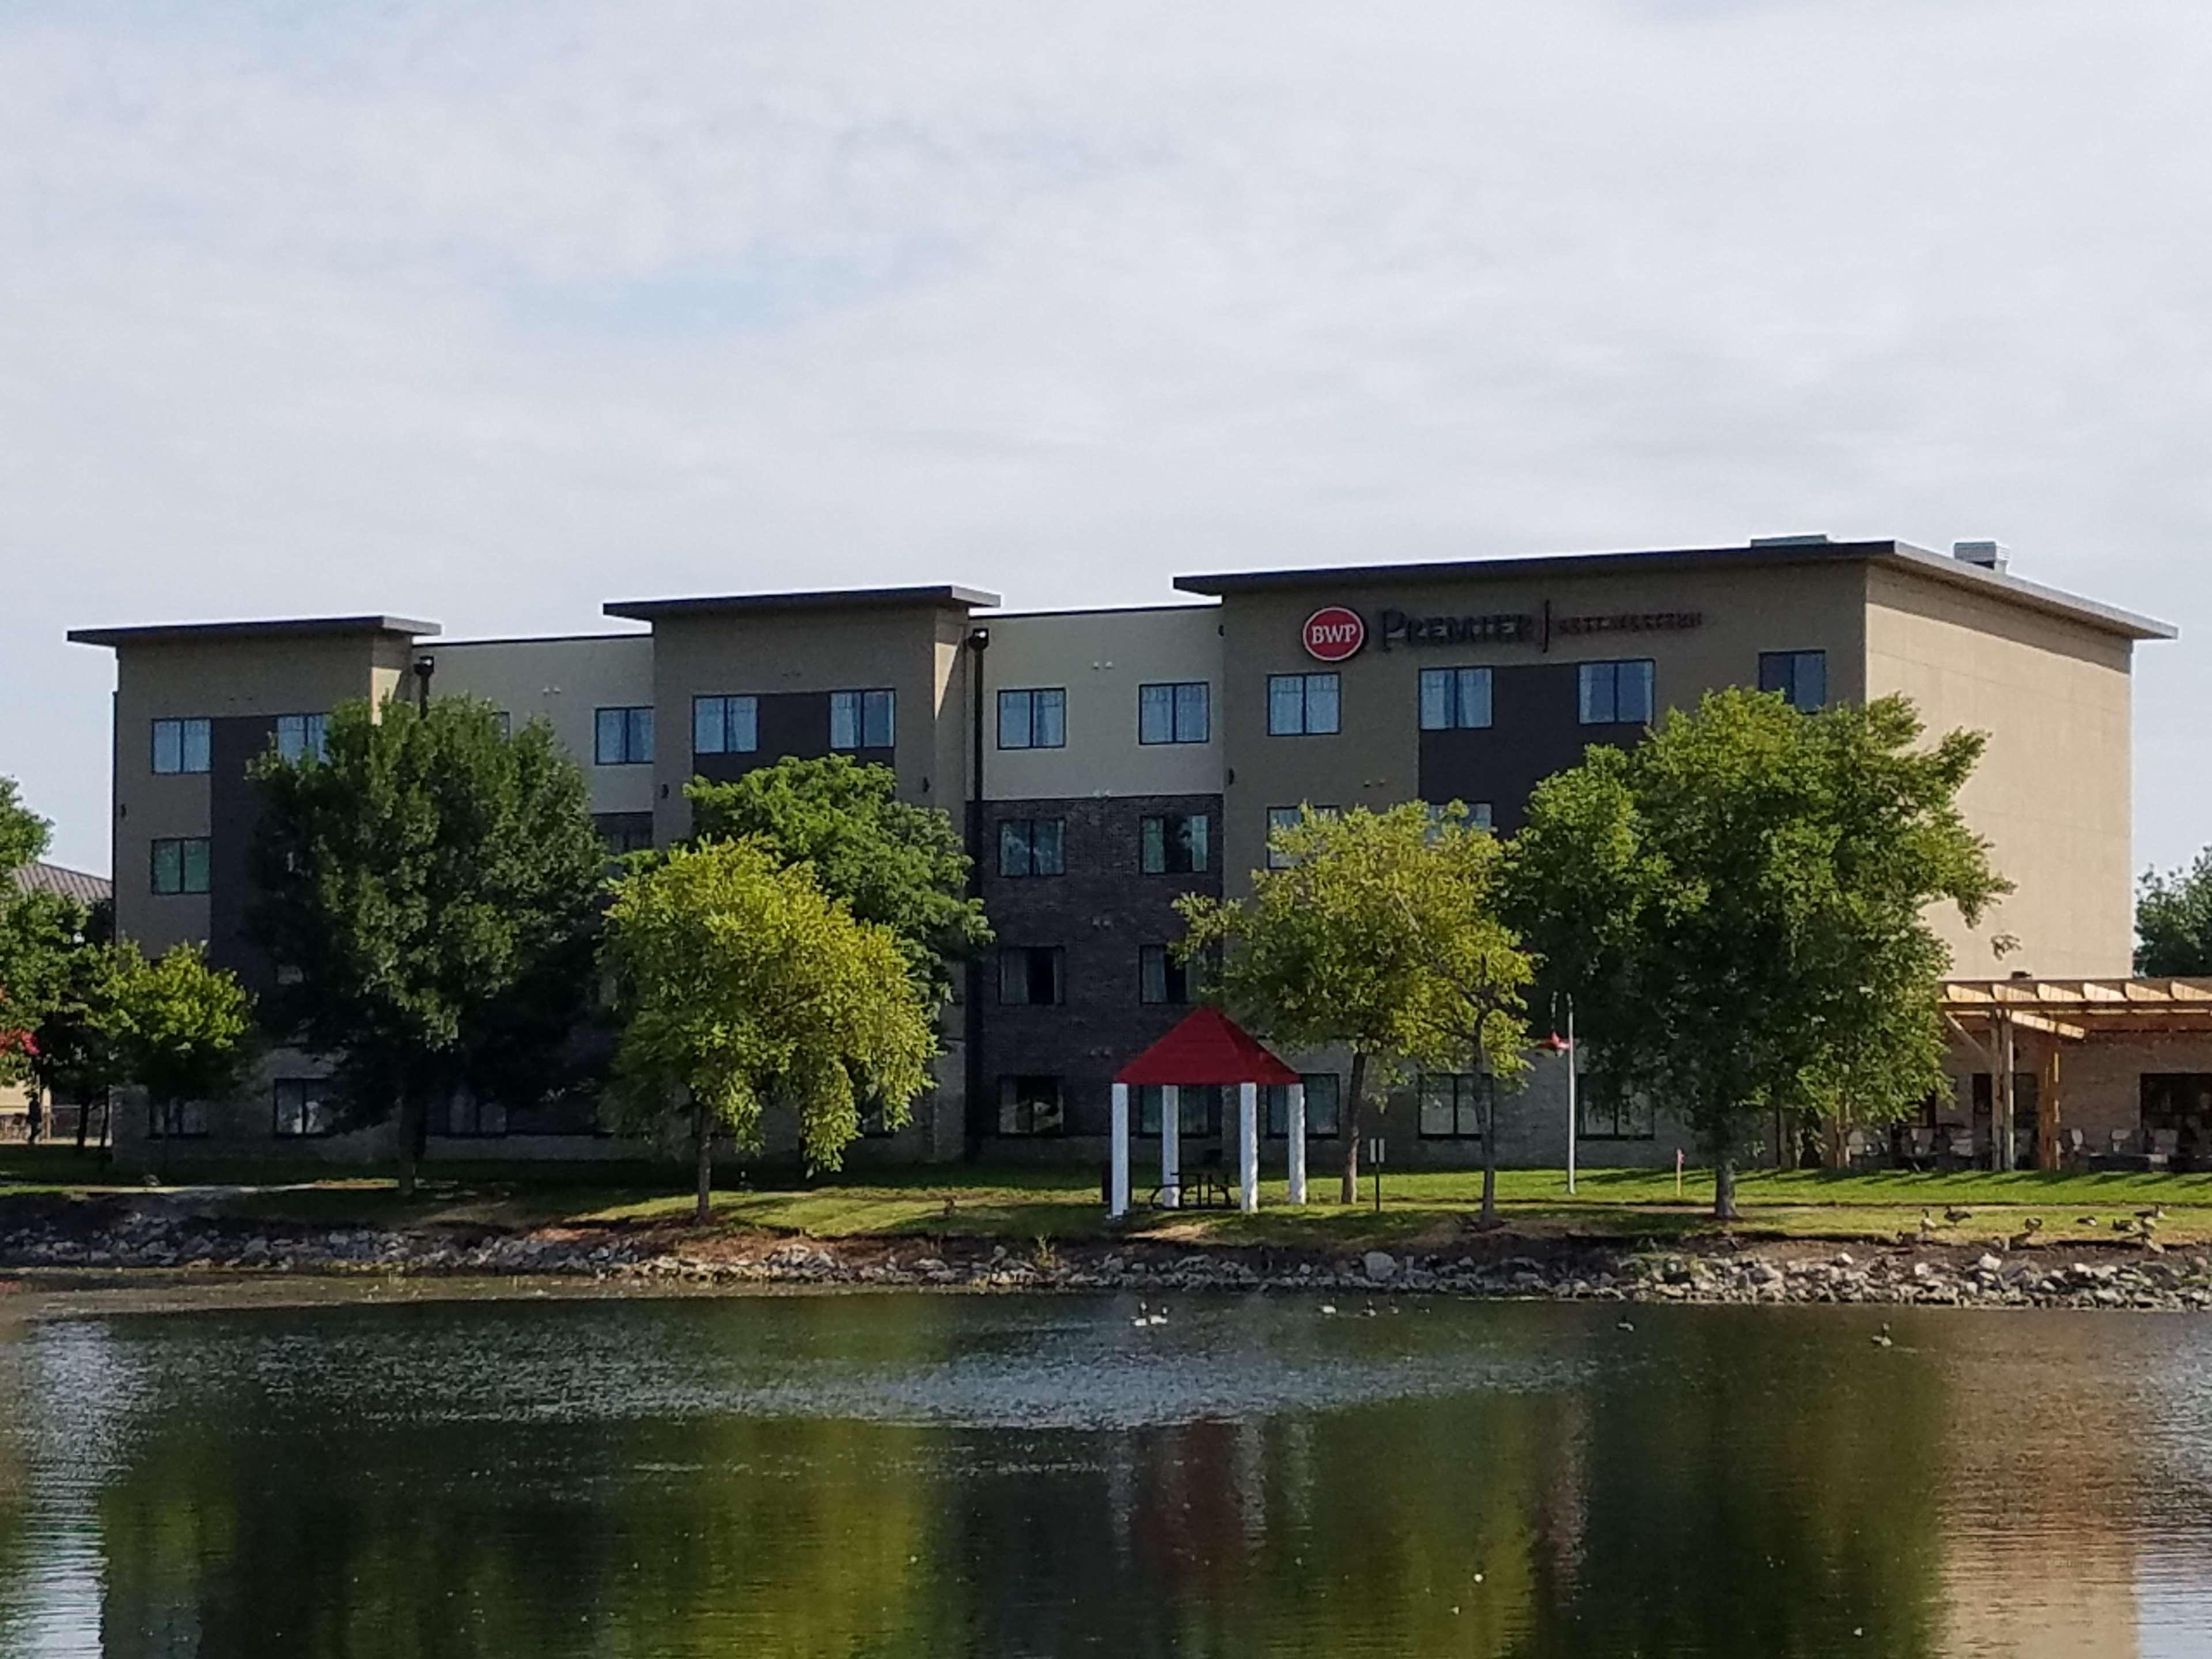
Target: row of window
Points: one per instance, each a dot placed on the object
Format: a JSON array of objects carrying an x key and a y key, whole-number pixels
[
  {"x": 1449, "y": 1110},
  {"x": 186, "y": 746},
  {"x": 729, "y": 724},
  {"x": 1035, "y": 976},
  {"x": 1168, "y": 844},
  {"x": 1036, "y": 717},
  {"x": 306, "y": 1107}
]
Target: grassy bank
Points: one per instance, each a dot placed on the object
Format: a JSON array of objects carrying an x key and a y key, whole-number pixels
[{"x": 1025, "y": 1205}]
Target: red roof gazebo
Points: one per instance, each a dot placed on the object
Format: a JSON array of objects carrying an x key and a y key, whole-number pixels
[{"x": 1207, "y": 1049}]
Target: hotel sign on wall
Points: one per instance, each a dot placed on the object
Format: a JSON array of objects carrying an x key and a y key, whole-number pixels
[{"x": 1336, "y": 632}]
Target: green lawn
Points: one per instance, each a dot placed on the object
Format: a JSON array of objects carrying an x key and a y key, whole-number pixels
[{"x": 1025, "y": 1205}]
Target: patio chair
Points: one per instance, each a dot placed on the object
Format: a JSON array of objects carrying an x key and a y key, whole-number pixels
[
  {"x": 2120, "y": 1140},
  {"x": 1962, "y": 1146}
]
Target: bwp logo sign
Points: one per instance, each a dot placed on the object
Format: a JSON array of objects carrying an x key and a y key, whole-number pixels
[{"x": 1334, "y": 633}]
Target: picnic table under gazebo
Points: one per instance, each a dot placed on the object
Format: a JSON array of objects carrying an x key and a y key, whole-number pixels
[{"x": 1207, "y": 1049}]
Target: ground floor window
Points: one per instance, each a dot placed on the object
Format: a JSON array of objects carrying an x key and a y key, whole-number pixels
[
  {"x": 170, "y": 1119},
  {"x": 1628, "y": 1117},
  {"x": 2179, "y": 1104},
  {"x": 1452, "y": 1105},
  {"x": 1324, "y": 1106},
  {"x": 469, "y": 1117},
  {"x": 1197, "y": 1109},
  {"x": 1029, "y": 1105},
  {"x": 304, "y": 1107}
]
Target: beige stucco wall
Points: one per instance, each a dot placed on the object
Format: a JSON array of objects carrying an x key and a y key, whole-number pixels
[
  {"x": 563, "y": 681},
  {"x": 1100, "y": 658},
  {"x": 2053, "y": 793},
  {"x": 1374, "y": 760}
]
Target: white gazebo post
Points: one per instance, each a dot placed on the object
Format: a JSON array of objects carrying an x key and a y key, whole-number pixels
[
  {"x": 1170, "y": 1146},
  {"x": 1118, "y": 1198},
  {"x": 1248, "y": 1148},
  {"x": 1295, "y": 1128}
]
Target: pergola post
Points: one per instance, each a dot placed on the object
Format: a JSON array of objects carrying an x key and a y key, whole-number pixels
[
  {"x": 2048, "y": 1125},
  {"x": 2001, "y": 1150},
  {"x": 1295, "y": 1128},
  {"x": 1170, "y": 1146},
  {"x": 1118, "y": 1191},
  {"x": 1248, "y": 1148}
]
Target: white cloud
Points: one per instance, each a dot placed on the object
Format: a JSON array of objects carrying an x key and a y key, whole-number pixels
[{"x": 493, "y": 318}]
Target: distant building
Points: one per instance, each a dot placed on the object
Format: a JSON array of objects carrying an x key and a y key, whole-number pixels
[{"x": 1103, "y": 762}]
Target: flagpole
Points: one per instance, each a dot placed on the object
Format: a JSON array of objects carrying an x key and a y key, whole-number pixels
[{"x": 1574, "y": 1065}]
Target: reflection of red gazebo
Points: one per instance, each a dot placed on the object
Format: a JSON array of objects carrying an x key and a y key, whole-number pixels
[{"x": 1207, "y": 1048}]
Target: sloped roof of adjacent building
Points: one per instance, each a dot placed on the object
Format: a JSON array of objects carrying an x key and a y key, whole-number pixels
[{"x": 79, "y": 885}]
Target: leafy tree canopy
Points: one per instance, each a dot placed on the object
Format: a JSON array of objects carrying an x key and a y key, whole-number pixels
[
  {"x": 2173, "y": 920},
  {"x": 39, "y": 934},
  {"x": 1740, "y": 904},
  {"x": 743, "y": 985},
  {"x": 428, "y": 892},
  {"x": 895, "y": 864},
  {"x": 180, "y": 1029}
]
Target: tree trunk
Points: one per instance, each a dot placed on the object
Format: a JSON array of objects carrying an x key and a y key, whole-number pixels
[
  {"x": 1488, "y": 1143},
  {"x": 411, "y": 1116},
  {"x": 84, "y": 1118},
  {"x": 1724, "y": 1185},
  {"x": 1350, "y": 1193},
  {"x": 702, "y": 1147}
]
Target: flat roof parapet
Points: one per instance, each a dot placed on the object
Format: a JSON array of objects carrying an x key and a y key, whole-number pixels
[
  {"x": 273, "y": 628},
  {"x": 944, "y": 596}
]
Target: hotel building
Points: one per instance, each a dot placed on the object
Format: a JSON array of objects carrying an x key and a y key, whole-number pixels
[{"x": 1103, "y": 762}]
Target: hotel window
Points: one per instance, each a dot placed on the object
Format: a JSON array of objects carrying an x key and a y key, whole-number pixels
[
  {"x": 305, "y": 1106},
  {"x": 1032, "y": 846},
  {"x": 624, "y": 832},
  {"x": 1172, "y": 714},
  {"x": 1630, "y": 1118},
  {"x": 469, "y": 1116},
  {"x": 505, "y": 724},
  {"x": 724, "y": 726},
  {"x": 1197, "y": 1109},
  {"x": 1451, "y": 1106},
  {"x": 1029, "y": 1105},
  {"x": 298, "y": 736},
  {"x": 1032, "y": 974},
  {"x": 1289, "y": 817},
  {"x": 171, "y": 1120},
  {"x": 1616, "y": 693},
  {"x": 1033, "y": 720},
  {"x": 1302, "y": 705},
  {"x": 1478, "y": 815},
  {"x": 1801, "y": 678},
  {"x": 181, "y": 746},
  {"x": 1161, "y": 978},
  {"x": 181, "y": 866},
  {"x": 1455, "y": 699},
  {"x": 874, "y": 1124},
  {"x": 861, "y": 720},
  {"x": 1176, "y": 844},
  {"x": 623, "y": 737},
  {"x": 1324, "y": 1106}
]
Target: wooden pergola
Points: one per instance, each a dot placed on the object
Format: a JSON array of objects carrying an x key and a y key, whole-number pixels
[{"x": 1991, "y": 1015}]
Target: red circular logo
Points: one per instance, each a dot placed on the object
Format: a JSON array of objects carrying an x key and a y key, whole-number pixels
[{"x": 1334, "y": 633}]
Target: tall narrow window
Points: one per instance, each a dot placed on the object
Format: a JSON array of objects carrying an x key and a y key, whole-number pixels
[
  {"x": 1031, "y": 1105},
  {"x": 1302, "y": 705},
  {"x": 1455, "y": 699},
  {"x": 1451, "y": 1106},
  {"x": 182, "y": 746},
  {"x": 1801, "y": 678},
  {"x": 1197, "y": 1109},
  {"x": 1176, "y": 712},
  {"x": 302, "y": 736},
  {"x": 1280, "y": 819},
  {"x": 1616, "y": 693},
  {"x": 861, "y": 720},
  {"x": 181, "y": 866},
  {"x": 623, "y": 737},
  {"x": 1175, "y": 843},
  {"x": 1032, "y": 846},
  {"x": 1033, "y": 720},
  {"x": 304, "y": 1107},
  {"x": 1031, "y": 974},
  {"x": 1323, "y": 1106},
  {"x": 724, "y": 726},
  {"x": 1160, "y": 977}
]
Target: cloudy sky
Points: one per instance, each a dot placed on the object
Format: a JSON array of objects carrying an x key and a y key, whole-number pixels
[{"x": 491, "y": 313}]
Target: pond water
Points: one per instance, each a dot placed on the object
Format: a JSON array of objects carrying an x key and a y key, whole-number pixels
[{"x": 559, "y": 1476}]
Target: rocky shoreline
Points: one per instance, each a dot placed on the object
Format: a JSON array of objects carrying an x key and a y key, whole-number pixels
[{"x": 1493, "y": 1266}]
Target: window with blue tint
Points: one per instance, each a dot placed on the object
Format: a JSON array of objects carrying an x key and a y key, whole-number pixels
[
  {"x": 1324, "y": 1106},
  {"x": 1032, "y": 846},
  {"x": 1302, "y": 705},
  {"x": 1197, "y": 1109},
  {"x": 1160, "y": 977},
  {"x": 1450, "y": 1106},
  {"x": 1289, "y": 817},
  {"x": 861, "y": 720},
  {"x": 182, "y": 746},
  {"x": 1616, "y": 693},
  {"x": 1176, "y": 844},
  {"x": 1801, "y": 678},
  {"x": 1032, "y": 976},
  {"x": 623, "y": 737},
  {"x": 1173, "y": 713},
  {"x": 1475, "y": 814},
  {"x": 1033, "y": 719},
  {"x": 725, "y": 725},
  {"x": 181, "y": 866},
  {"x": 1455, "y": 699},
  {"x": 300, "y": 737}
]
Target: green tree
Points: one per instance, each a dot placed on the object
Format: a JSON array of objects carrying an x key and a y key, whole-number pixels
[
  {"x": 896, "y": 864},
  {"x": 741, "y": 985},
  {"x": 80, "y": 1054},
  {"x": 180, "y": 1029},
  {"x": 427, "y": 890},
  {"x": 2173, "y": 920},
  {"x": 1372, "y": 934},
  {"x": 39, "y": 932},
  {"x": 1739, "y": 905}
]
